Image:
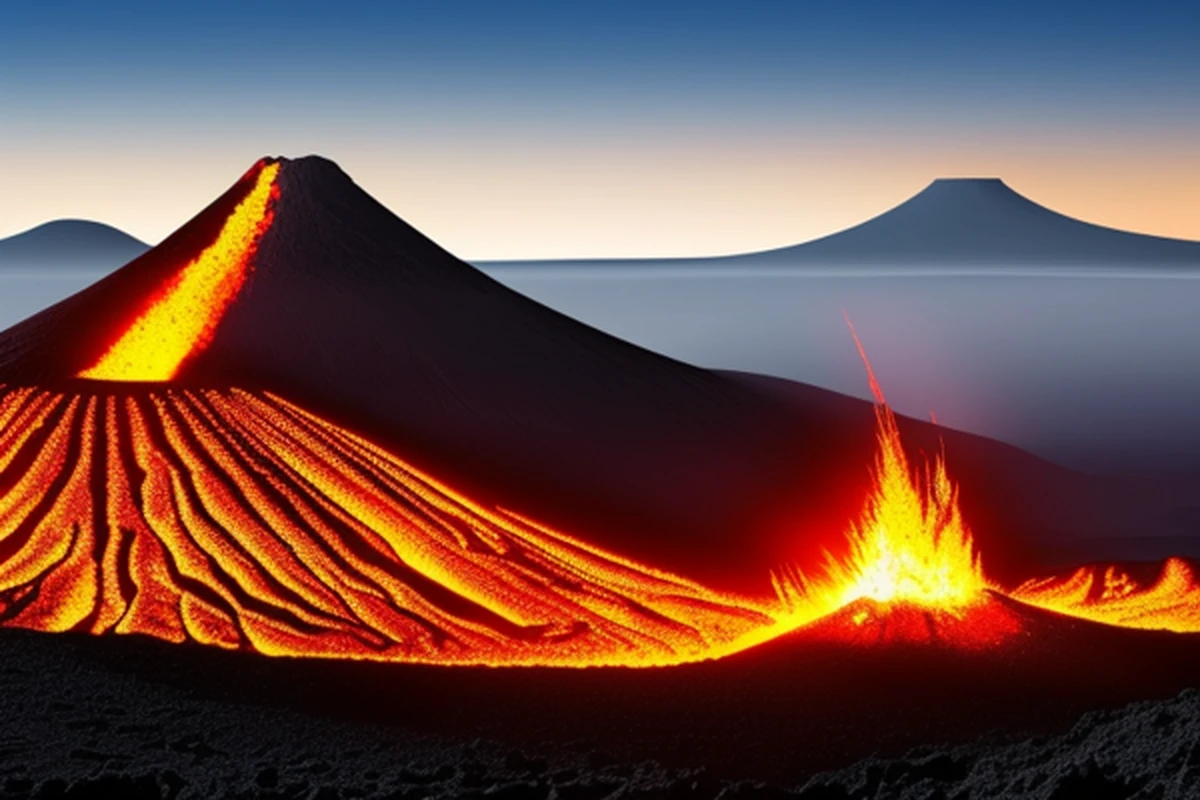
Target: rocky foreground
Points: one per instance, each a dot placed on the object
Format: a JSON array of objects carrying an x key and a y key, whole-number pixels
[{"x": 76, "y": 727}]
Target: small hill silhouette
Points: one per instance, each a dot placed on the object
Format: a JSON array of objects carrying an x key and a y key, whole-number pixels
[{"x": 70, "y": 243}]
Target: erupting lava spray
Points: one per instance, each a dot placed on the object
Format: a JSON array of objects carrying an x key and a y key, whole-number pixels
[
  {"x": 912, "y": 544},
  {"x": 911, "y": 547}
]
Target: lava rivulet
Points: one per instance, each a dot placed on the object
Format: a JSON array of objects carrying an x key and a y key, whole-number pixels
[
  {"x": 241, "y": 521},
  {"x": 1112, "y": 596},
  {"x": 181, "y": 318}
]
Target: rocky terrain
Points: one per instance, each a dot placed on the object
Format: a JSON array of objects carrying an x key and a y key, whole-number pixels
[{"x": 74, "y": 726}]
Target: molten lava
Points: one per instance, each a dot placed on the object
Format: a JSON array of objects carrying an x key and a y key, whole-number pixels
[
  {"x": 911, "y": 550},
  {"x": 241, "y": 521},
  {"x": 181, "y": 318},
  {"x": 912, "y": 571},
  {"x": 1112, "y": 596}
]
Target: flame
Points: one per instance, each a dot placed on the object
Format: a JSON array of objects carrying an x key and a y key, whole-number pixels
[
  {"x": 911, "y": 547},
  {"x": 181, "y": 319}
]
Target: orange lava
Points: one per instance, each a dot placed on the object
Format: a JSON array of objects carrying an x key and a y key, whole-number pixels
[
  {"x": 242, "y": 521},
  {"x": 913, "y": 573},
  {"x": 910, "y": 552},
  {"x": 181, "y": 319},
  {"x": 1111, "y": 596}
]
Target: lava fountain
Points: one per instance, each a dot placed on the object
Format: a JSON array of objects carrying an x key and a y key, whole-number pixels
[
  {"x": 911, "y": 567},
  {"x": 912, "y": 570}
]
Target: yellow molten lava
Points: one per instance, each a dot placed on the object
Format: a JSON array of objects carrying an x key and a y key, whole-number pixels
[
  {"x": 911, "y": 546},
  {"x": 1111, "y": 596},
  {"x": 181, "y": 320}
]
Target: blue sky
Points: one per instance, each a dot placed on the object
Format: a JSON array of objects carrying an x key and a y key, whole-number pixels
[{"x": 706, "y": 111}]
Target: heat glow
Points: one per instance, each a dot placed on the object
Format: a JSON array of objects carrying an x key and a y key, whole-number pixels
[
  {"x": 239, "y": 520},
  {"x": 1111, "y": 596},
  {"x": 910, "y": 549},
  {"x": 181, "y": 318}
]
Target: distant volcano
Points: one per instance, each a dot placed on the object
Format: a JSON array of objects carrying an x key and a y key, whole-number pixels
[
  {"x": 315, "y": 431},
  {"x": 982, "y": 221},
  {"x": 69, "y": 244}
]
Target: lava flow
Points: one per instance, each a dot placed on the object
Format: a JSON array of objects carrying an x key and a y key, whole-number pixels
[
  {"x": 1111, "y": 595},
  {"x": 913, "y": 572},
  {"x": 133, "y": 501},
  {"x": 240, "y": 520},
  {"x": 181, "y": 318}
]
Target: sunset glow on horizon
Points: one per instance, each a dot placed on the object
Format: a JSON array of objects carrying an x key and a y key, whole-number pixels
[{"x": 606, "y": 131}]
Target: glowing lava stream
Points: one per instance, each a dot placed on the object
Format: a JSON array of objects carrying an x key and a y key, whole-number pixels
[
  {"x": 1111, "y": 596},
  {"x": 182, "y": 317},
  {"x": 239, "y": 520}
]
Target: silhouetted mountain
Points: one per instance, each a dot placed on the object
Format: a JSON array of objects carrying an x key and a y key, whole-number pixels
[
  {"x": 983, "y": 221},
  {"x": 955, "y": 222},
  {"x": 70, "y": 243}
]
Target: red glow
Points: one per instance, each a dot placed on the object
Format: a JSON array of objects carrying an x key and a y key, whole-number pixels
[
  {"x": 258, "y": 525},
  {"x": 182, "y": 317},
  {"x": 1112, "y": 596},
  {"x": 239, "y": 520}
]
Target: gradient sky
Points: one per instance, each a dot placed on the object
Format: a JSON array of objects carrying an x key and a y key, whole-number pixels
[{"x": 547, "y": 129}]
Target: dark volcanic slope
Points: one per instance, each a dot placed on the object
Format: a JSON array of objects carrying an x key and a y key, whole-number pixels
[
  {"x": 353, "y": 314},
  {"x": 73, "y": 243},
  {"x": 982, "y": 221}
]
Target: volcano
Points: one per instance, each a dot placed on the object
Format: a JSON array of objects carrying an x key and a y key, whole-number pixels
[
  {"x": 965, "y": 221},
  {"x": 953, "y": 223},
  {"x": 298, "y": 426}
]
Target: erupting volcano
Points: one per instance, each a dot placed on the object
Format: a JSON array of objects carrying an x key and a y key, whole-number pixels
[{"x": 212, "y": 445}]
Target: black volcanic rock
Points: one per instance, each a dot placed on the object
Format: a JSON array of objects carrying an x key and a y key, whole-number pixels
[
  {"x": 965, "y": 221},
  {"x": 70, "y": 243},
  {"x": 82, "y": 714},
  {"x": 352, "y": 313}
]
